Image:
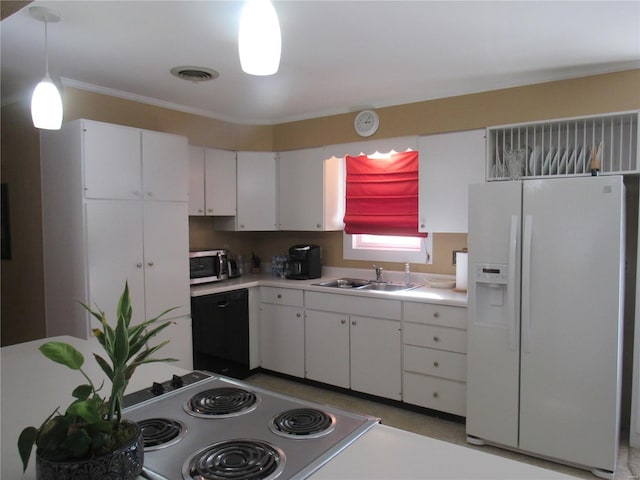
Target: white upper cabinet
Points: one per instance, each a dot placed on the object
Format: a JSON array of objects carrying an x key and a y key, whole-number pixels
[
  {"x": 100, "y": 228},
  {"x": 128, "y": 163},
  {"x": 220, "y": 182},
  {"x": 212, "y": 181},
  {"x": 196, "y": 181},
  {"x": 449, "y": 163},
  {"x": 164, "y": 167},
  {"x": 112, "y": 166},
  {"x": 256, "y": 194},
  {"x": 310, "y": 191}
]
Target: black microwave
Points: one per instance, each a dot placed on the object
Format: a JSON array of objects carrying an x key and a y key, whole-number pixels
[{"x": 208, "y": 266}]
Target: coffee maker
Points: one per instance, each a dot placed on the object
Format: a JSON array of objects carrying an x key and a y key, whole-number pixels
[{"x": 305, "y": 261}]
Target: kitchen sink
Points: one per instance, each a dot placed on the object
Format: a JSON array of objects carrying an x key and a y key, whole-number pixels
[
  {"x": 369, "y": 285},
  {"x": 390, "y": 287},
  {"x": 345, "y": 283}
]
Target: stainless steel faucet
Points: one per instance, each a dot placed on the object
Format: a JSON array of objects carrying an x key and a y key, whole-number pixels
[{"x": 378, "y": 273}]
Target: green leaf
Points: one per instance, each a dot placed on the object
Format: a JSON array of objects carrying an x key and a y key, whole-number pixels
[
  {"x": 124, "y": 306},
  {"x": 25, "y": 445},
  {"x": 63, "y": 353},
  {"x": 88, "y": 410},
  {"x": 106, "y": 368},
  {"x": 82, "y": 392}
]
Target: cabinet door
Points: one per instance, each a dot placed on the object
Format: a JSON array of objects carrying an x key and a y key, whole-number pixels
[
  {"x": 115, "y": 255},
  {"x": 327, "y": 347},
  {"x": 196, "y": 180},
  {"x": 166, "y": 243},
  {"x": 256, "y": 191},
  {"x": 375, "y": 356},
  {"x": 310, "y": 191},
  {"x": 282, "y": 339},
  {"x": 165, "y": 166},
  {"x": 111, "y": 161},
  {"x": 449, "y": 163},
  {"x": 220, "y": 182},
  {"x": 300, "y": 189}
]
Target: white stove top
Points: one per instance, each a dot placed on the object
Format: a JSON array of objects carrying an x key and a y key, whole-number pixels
[{"x": 297, "y": 456}]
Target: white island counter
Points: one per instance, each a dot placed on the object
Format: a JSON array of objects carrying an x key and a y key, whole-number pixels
[{"x": 33, "y": 386}]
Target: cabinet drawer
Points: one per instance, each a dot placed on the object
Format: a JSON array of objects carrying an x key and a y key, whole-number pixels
[
  {"x": 354, "y": 305},
  {"x": 441, "y": 338},
  {"x": 433, "y": 314},
  {"x": 436, "y": 393},
  {"x": 282, "y": 296},
  {"x": 435, "y": 362}
]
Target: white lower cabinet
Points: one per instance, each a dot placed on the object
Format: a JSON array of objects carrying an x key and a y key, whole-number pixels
[
  {"x": 327, "y": 347},
  {"x": 434, "y": 345},
  {"x": 376, "y": 356},
  {"x": 282, "y": 330},
  {"x": 347, "y": 344}
]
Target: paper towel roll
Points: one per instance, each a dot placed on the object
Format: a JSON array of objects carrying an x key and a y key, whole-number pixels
[{"x": 461, "y": 271}]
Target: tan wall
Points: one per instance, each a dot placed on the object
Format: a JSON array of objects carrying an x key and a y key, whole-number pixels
[{"x": 22, "y": 282}]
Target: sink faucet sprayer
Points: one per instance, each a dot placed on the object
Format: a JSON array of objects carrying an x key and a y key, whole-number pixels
[
  {"x": 378, "y": 273},
  {"x": 407, "y": 273}
]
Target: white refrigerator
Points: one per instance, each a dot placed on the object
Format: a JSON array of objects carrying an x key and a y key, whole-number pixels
[{"x": 546, "y": 262}]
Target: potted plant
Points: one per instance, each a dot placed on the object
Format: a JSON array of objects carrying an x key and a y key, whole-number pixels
[{"x": 90, "y": 439}]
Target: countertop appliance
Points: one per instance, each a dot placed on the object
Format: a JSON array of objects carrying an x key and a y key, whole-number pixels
[
  {"x": 207, "y": 266},
  {"x": 202, "y": 426},
  {"x": 305, "y": 262},
  {"x": 546, "y": 261}
]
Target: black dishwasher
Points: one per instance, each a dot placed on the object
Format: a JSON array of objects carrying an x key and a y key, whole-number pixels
[{"x": 221, "y": 333}]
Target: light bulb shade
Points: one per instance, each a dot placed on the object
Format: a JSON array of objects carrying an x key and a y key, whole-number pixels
[
  {"x": 46, "y": 106},
  {"x": 259, "y": 41}
]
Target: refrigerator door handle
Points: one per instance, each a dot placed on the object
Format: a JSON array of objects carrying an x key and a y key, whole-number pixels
[
  {"x": 526, "y": 283},
  {"x": 511, "y": 283}
]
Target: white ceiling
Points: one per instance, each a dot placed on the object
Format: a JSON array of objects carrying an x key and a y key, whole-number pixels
[{"x": 337, "y": 56}]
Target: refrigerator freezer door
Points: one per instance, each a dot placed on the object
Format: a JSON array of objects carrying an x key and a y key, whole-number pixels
[
  {"x": 571, "y": 327},
  {"x": 492, "y": 353}
]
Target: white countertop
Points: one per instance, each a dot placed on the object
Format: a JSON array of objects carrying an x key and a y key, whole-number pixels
[
  {"x": 33, "y": 386},
  {"x": 420, "y": 294}
]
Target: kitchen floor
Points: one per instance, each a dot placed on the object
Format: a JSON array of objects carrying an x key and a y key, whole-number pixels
[{"x": 628, "y": 462}]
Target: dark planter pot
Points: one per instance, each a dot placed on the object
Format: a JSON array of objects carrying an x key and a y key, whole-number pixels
[{"x": 122, "y": 464}]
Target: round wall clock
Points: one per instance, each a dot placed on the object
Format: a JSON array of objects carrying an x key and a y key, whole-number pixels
[{"x": 366, "y": 123}]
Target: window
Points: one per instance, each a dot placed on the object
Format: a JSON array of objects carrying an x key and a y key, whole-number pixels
[
  {"x": 381, "y": 218},
  {"x": 387, "y": 248},
  {"x": 382, "y": 194}
]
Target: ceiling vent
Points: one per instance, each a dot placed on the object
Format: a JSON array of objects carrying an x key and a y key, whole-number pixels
[{"x": 195, "y": 74}]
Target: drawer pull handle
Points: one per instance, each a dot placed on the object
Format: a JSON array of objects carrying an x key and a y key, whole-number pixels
[
  {"x": 436, "y": 338},
  {"x": 436, "y": 394},
  {"x": 343, "y": 321},
  {"x": 353, "y": 322},
  {"x": 435, "y": 364},
  {"x": 279, "y": 296},
  {"x": 298, "y": 315},
  {"x": 436, "y": 314}
]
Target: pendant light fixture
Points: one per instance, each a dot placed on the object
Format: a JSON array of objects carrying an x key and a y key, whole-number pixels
[
  {"x": 259, "y": 42},
  {"x": 46, "y": 103}
]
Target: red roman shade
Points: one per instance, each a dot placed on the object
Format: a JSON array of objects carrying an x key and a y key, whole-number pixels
[{"x": 382, "y": 195}]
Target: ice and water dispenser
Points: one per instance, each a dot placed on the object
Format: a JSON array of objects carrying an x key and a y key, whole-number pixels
[{"x": 491, "y": 301}]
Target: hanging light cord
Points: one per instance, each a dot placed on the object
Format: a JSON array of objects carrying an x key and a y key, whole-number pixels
[{"x": 46, "y": 49}]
